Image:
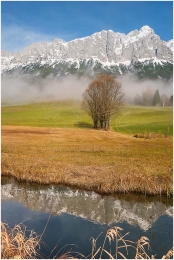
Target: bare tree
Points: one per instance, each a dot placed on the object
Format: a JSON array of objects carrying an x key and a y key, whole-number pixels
[{"x": 102, "y": 99}]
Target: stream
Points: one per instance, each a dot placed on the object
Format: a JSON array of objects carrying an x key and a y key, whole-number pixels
[{"x": 74, "y": 216}]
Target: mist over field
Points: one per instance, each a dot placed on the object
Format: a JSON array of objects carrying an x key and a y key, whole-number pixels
[
  {"x": 21, "y": 90},
  {"x": 132, "y": 86}
]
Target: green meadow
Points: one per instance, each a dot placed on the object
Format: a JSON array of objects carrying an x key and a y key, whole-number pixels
[
  {"x": 141, "y": 119},
  {"x": 69, "y": 114}
]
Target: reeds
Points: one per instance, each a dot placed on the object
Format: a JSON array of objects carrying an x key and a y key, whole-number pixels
[
  {"x": 122, "y": 245},
  {"x": 16, "y": 245}
]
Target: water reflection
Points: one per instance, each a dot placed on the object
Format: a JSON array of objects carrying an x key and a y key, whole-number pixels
[{"x": 87, "y": 205}]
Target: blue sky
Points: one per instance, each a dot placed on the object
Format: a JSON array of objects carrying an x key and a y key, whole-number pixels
[{"x": 26, "y": 22}]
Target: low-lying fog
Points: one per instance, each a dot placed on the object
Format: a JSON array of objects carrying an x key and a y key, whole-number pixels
[{"x": 21, "y": 90}]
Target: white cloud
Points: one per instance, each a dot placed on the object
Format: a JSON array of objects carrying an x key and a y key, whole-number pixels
[{"x": 15, "y": 38}]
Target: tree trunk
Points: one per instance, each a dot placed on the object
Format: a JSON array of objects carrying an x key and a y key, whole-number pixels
[
  {"x": 95, "y": 124},
  {"x": 105, "y": 125},
  {"x": 109, "y": 124}
]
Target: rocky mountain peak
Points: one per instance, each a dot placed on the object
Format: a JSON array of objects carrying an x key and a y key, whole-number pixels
[
  {"x": 58, "y": 41},
  {"x": 107, "y": 47},
  {"x": 5, "y": 53},
  {"x": 170, "y": 45},
  {"x": 147, "y": 29}
]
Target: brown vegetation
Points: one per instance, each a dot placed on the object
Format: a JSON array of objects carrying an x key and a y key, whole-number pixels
[
  {"x": 106, "y": 162},
  {"x": 122, "y": 245},
  {"x": 149, "y": 135},
  {"x": 15, "y": 245}
]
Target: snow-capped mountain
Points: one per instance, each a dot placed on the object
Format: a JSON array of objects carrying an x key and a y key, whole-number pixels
[
  {"x": 170, "y": 45},
  {"x": 105, "y": 51}
]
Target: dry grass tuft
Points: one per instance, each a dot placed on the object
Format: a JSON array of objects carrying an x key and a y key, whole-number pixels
[
  {"x": 114, "y": 235},
  {"x": 140, "y": 250},
  {"x": 168, "y": 255},
  {"x": 15, "y": 244},
  {"x": 150, "y": 135}
]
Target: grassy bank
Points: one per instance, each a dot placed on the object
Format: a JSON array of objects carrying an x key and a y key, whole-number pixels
[{"x": 105, "y": 162}]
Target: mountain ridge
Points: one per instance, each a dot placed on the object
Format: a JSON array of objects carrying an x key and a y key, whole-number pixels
[{"x": 106, "y": 48}]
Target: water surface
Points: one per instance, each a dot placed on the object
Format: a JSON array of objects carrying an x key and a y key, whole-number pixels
[{"x": 76, "y": 215}]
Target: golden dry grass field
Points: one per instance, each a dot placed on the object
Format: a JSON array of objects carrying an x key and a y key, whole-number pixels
[{"x": 103, "y": 161}]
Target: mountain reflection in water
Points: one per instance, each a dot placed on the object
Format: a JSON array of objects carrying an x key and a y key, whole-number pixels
[{"x": 88, "y": 205}]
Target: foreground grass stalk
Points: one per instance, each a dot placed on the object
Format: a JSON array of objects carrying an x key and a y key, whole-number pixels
[
  {"x": 114, "y": 234},
  {"x": 15, "y": 244}
]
